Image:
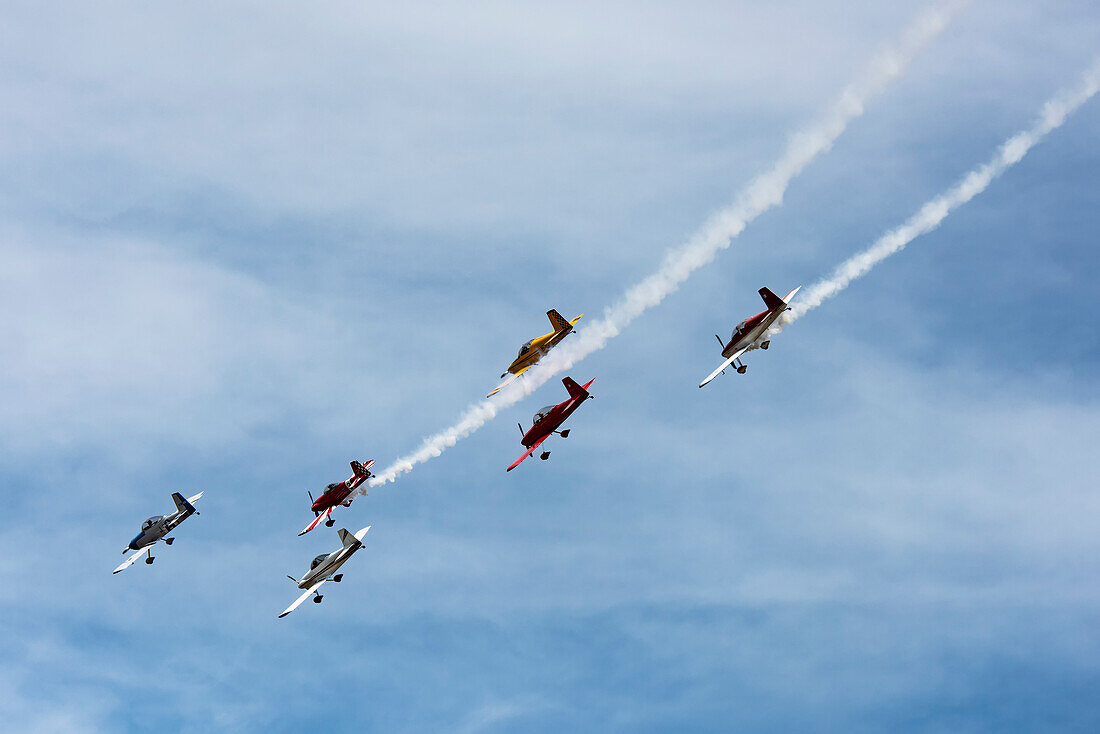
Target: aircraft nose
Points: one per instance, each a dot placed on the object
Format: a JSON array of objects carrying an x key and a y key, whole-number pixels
[{"x": 133, "y": 543}]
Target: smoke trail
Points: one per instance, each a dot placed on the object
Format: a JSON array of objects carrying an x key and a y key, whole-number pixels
[
  {"x": 930, "y": 216},
  {"x": 763, "y": 193}
]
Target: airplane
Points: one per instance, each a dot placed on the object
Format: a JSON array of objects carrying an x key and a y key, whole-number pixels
[
  {"x": 156, "y": 527},
  {"x": 547, "y": 421},
  {"x": 324, "y": 566},
  {"x": 337, "y": 494},
  {"x": 748, "y": 335},
  {"x": 534, "y": 350}
]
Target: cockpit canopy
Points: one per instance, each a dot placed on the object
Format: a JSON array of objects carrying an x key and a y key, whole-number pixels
[
  {"x": 738, "y": 329},
  {"x": 318, "y": 561},
  {"x": 332, "y": 486},
  {"x": 151, "y": 522},
  {"x": 543, "y": 412},
  {"x": 525, "y": 349}
]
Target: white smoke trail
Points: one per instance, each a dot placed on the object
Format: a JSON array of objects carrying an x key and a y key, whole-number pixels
[
  {"x": 763, "y": 193},
  {"x": 1053, "y": 114}
]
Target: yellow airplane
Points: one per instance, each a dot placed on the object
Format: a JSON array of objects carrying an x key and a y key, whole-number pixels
[{"x": 532, "y": 351}]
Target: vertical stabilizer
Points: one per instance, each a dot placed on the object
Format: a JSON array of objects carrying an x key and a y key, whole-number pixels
[
  {"x": 772, "y": 301},
  {"x": 577, "y": 392},
  {"x": 182, "y": 505},
  {"x": 361, "y": 470},
  {"x": 558, "y": 322}
]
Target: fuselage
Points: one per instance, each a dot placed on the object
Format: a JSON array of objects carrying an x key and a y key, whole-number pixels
[
  {"x": 533, "y": 350},
  {"x": 326, "y": 565},
  {"x": 155, "y": 528},
  {"x": 549, "y": 422},
  {"x": 750, "y": 330},
  {"x": 335, "y": 494},
  {"x": 150, "y": 533}
]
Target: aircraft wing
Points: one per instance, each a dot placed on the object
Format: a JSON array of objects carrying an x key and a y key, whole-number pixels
[
  {"x": 527, "y": 453},
  {"x": 723, "y": 366},
  {"x": 308, "y": 592},
  {"x": 130, "y": 560},
  {"x": 317, "y": 520},
  {"x": 509, "y": 381}
]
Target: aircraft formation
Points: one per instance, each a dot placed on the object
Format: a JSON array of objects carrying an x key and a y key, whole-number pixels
[{"x": 750, "y": 334}]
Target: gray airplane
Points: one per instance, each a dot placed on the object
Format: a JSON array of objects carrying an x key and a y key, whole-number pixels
[
  {"x": 156, "y": 527},
  {"x": 324, "y": 566}
]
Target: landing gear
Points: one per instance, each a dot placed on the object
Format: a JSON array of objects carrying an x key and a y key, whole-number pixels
[
  {"x": 150, "y": 558},
  {"x": 565, "y": 433},
  {"x": 766, "y": 344},
  {"x": 169, "y": 541},
  {"x": 329, "y": 523},
  {"x": 337, "y": 577},
  {"x": 544, "y": 455},
  {"x": 742, "y": 369},
  {"x": 317, "y": 599}
]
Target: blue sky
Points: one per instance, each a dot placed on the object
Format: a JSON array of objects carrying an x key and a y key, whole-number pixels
[{"x": 243, "y": 243}]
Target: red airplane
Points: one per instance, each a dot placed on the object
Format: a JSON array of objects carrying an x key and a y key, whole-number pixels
[
  {"x": 751, "y": 333},
  {"x": 338, "y": 494},
  {"x": 549, "y": 419}
]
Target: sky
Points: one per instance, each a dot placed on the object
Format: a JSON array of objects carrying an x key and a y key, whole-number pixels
[{"x": 242, "y": 244}]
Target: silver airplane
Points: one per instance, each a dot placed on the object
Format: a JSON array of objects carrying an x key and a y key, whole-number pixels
[
  {"x": 156, "y": 527},
  {"x": 324, "y": 566}
]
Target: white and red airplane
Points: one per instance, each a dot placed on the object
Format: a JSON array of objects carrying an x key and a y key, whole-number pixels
[
  {"x": 336, "y": 494},
  {"x": 750, "y": 333}
]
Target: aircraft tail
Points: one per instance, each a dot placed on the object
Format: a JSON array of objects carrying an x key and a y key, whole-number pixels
[
  {"x": 348, "y": 539},
  {"x": 182, "y": 505},
  {"x": 774, "y": 302},
  {"x": 558, "y": 321},
  {"x": 360, "y": 470},
  {"x": 577, "y": 392}
]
